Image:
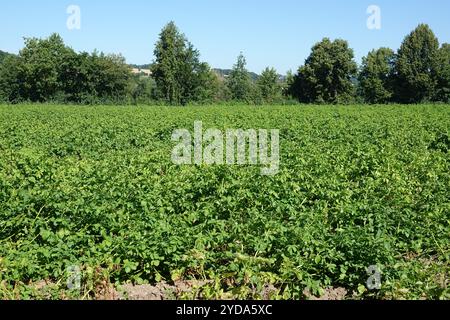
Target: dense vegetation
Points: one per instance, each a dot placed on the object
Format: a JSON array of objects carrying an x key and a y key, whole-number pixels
[
  {"x": 95, "y": 187},
  {"x": 46, "y": 70},
  {"x": 4, "y": 55}
]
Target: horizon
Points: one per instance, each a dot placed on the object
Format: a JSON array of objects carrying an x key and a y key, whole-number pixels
[{"x": 122, "y": 27}]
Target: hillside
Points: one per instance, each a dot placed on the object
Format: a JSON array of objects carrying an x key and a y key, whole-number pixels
[
  {"x": 224, "y": 73},
  {"x": 141, "y": 66},
  {"x": 3, "y": 55}
]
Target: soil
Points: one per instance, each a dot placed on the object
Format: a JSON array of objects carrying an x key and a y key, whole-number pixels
[
  {"x": 329, "y": 294},
  {"x": 161, "y": 291}
]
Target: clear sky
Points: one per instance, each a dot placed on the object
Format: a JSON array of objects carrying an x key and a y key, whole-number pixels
[{"x": 276, "y": 33}]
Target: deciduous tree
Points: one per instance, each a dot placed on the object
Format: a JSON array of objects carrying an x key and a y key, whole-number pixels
[
  {"x": 375, "y": 78},
  {"x": 180, "y": 76},
  {"x": 269, "y": 86},
  {"x": 443, "y": 74},
  {"x": 417, "y": 66},
  {"x": 328, "y": 74}
]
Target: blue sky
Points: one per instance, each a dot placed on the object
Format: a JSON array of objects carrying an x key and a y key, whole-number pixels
[{"x": 276, "y": 33}]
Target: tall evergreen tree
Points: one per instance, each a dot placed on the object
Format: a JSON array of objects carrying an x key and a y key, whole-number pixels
[
  {"x": 180, "y": 76},
  {"x": 239, "y": 81},
  {"x": 169, "y": 53}
]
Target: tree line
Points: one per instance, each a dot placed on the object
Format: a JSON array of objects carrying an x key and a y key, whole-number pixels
[{"x": 46, "y": 70}]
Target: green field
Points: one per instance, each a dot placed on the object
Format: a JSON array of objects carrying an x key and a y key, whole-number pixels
[{"x": 95, "y": 187}]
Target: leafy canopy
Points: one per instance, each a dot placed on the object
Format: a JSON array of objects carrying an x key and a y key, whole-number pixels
[
  {"x": 327, "y": 74},
  {"x": 375, "y": 77},
  {"x": 417, "y": 65},
  {"x": 269, "y": 85}
]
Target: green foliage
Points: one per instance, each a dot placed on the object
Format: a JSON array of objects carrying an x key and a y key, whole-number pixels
[
  {"x": 327, "y": 74},
  {"x": 41, "y": 66},
  {"x": 205, "y": 85},
  {"x": 417, "y": 66},
  {"x": 169, "y": 52},
  {"x": 111, "y": 76},
  {"x": 289, "y": 85},
  {"x": 376, "y": 76},
  {"x": 443, "y": 76},
  {"x": 95, "y": 187},
  {"x": 224, "y": 73},
  {"x": 180, "y": 76},
  {"x": 239, "y": 82},
  {"x": 10, "y": 86},
  {"x": 141, "y": 89},
  {"x": 93, "y": 78},
  {"x": 269, "y": 86},
  {"x": 4, "y": 55},
  {"x": 47, "y": 70},
  {"x": 219, "y": 87}
]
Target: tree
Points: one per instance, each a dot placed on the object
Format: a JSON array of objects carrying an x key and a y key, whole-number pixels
[
  {"x": 180, "y": 76},
  {"x": 169, "y": 52},
  {"x": 76, "y": 78},
  {"x": 327, "y": 74},
  {"x": 141, "y": 89},
  {"x": 206, "y": 85},
  {"x": 239, "y": 82},
  {"x": 269, "y": 86},
  {"x": 443, "y": 74},
  {"x": 375, "y": 78},
  {"x": 220, "y": 88},
  {"x": 46, "y": 69},
  {"x": 4, "y": 55},
  {"x": 416, "y": 66},
  {"x": 10, "y": 84},
  {"x": 110, "y": 76},
  {"x": 289, "y": 85},
  {"x": 196, "y": 78},
  {"x": 42, "y": 61}
]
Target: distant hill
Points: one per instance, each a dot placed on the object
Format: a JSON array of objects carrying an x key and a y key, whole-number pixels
[
  {"x": 141, "y": 66},
  {"x": 3, "y": 55},
  {"x": 224, "y": 73}
]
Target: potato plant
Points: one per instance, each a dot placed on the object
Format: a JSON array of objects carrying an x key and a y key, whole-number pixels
[{"x": 94, "y": 187}]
